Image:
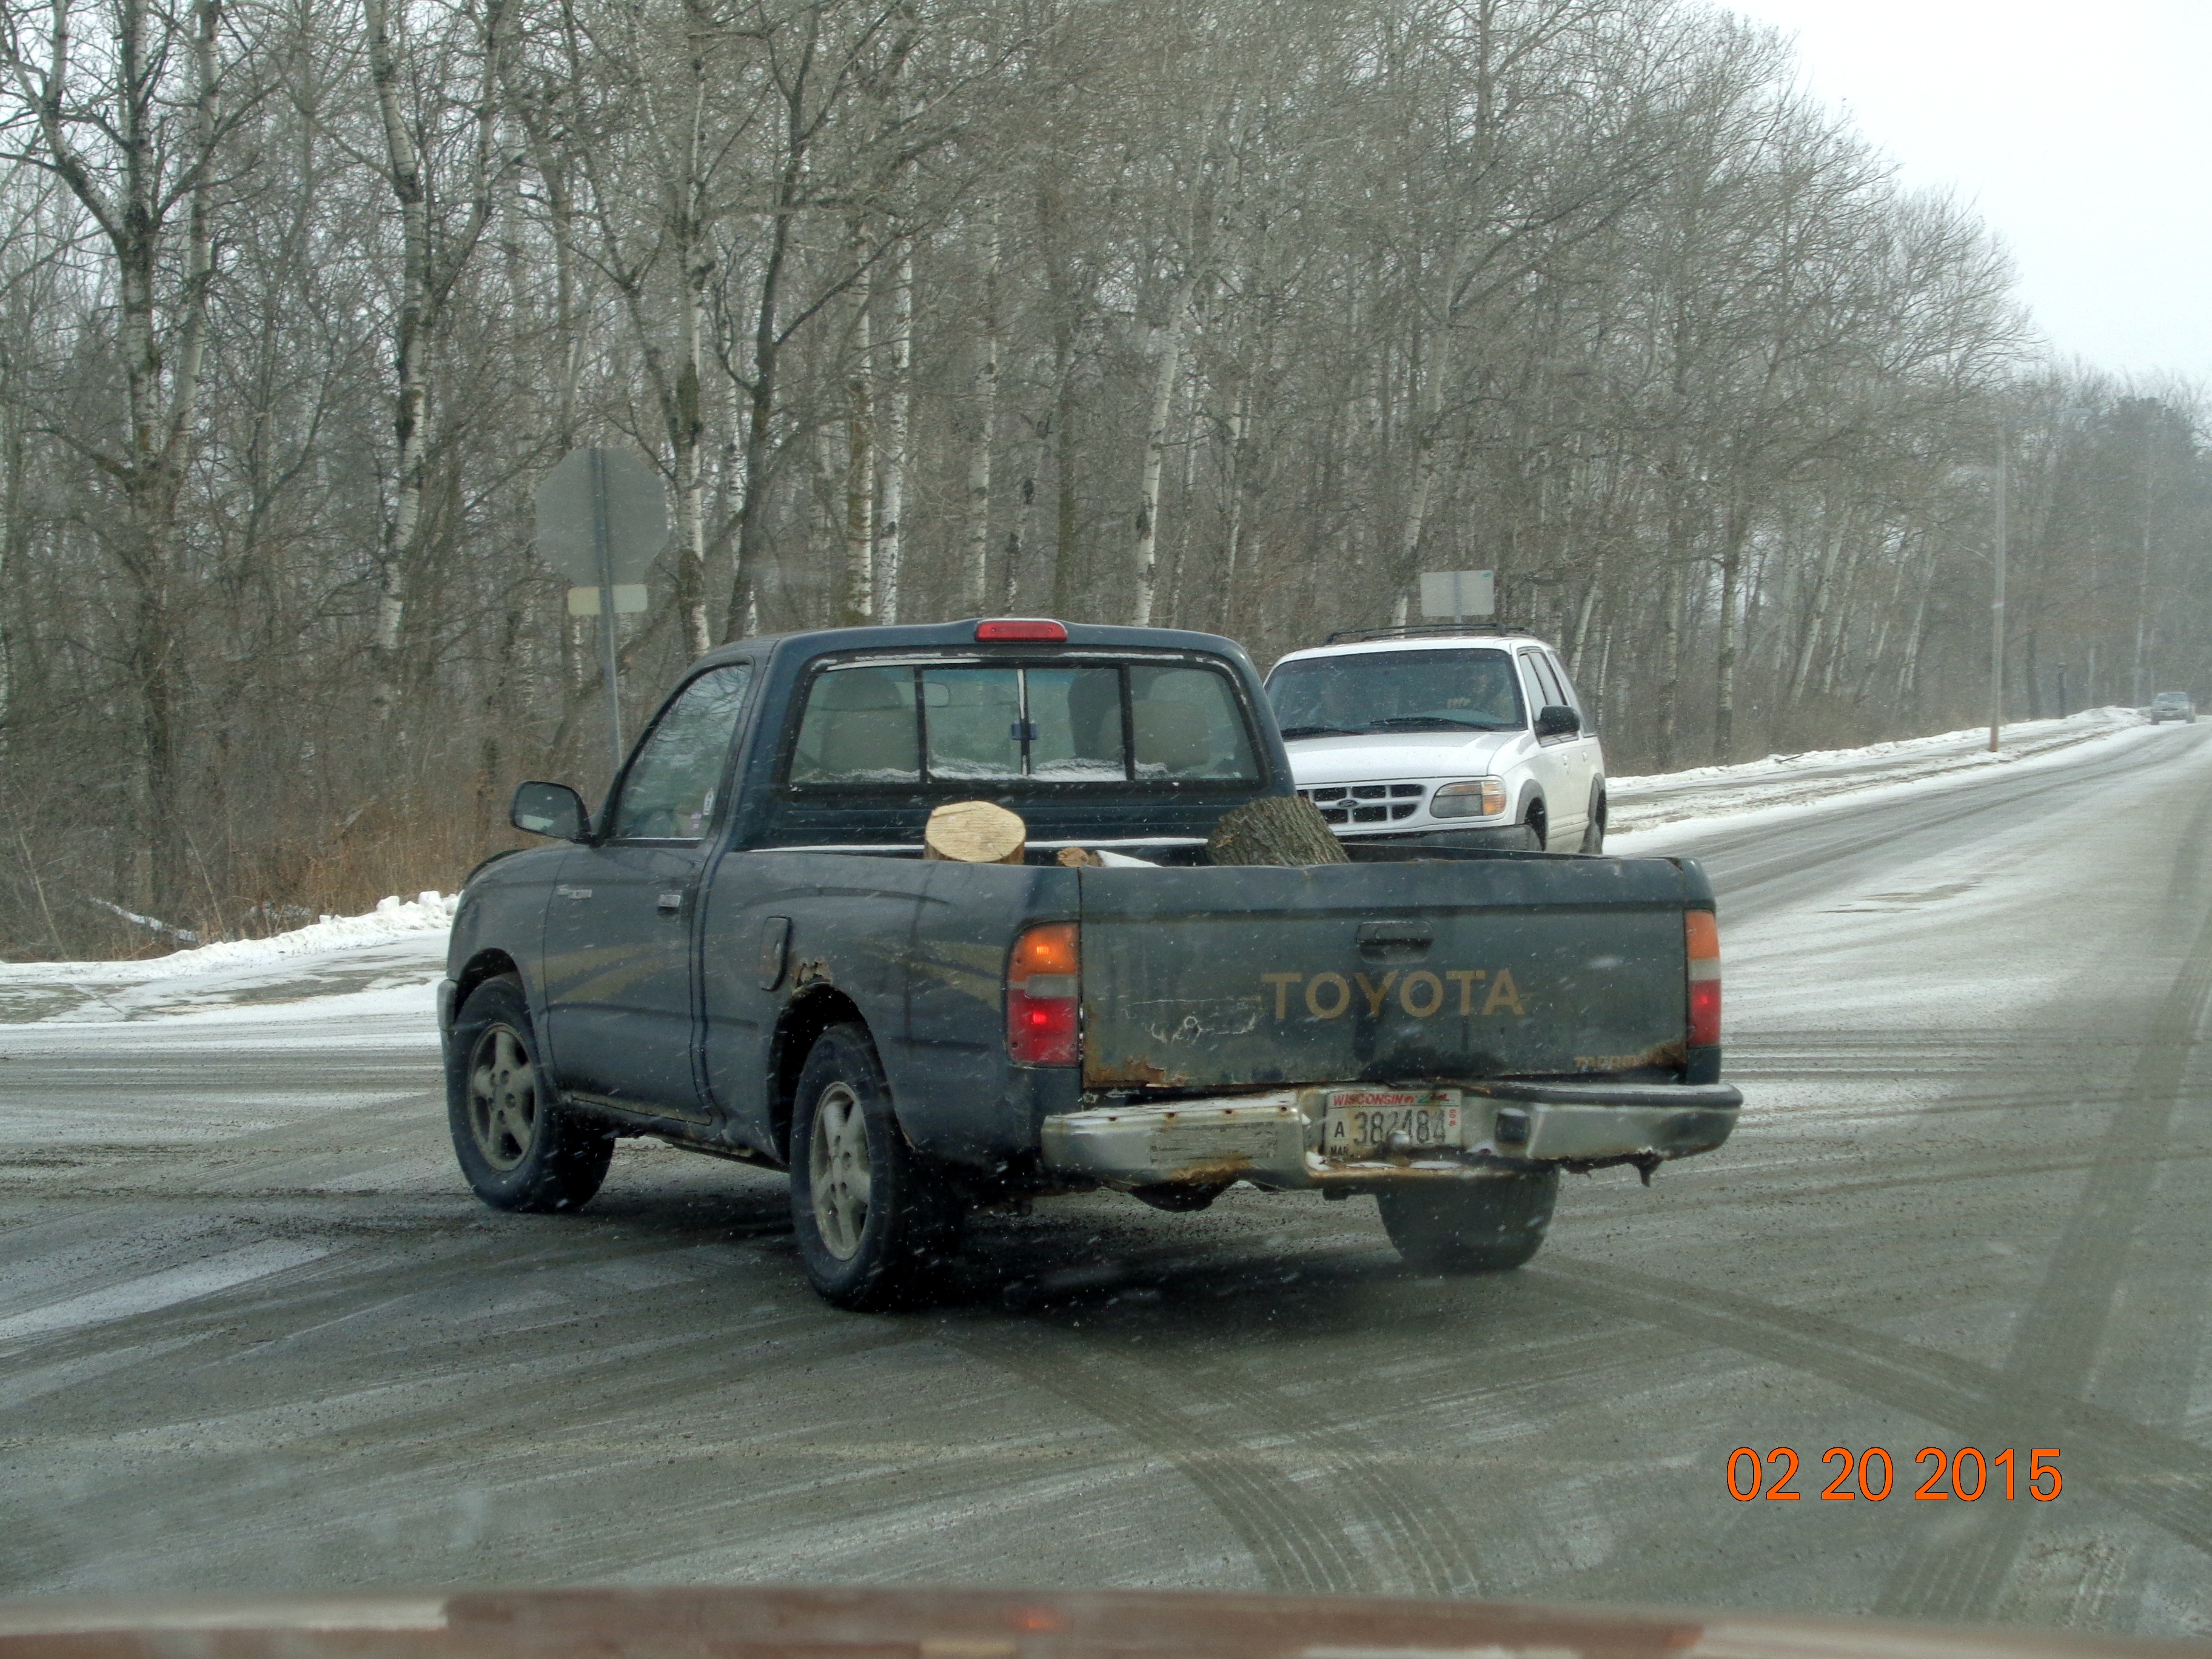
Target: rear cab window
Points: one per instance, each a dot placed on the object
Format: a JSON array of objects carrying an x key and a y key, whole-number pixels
[{"x": 1020, "y": 725}]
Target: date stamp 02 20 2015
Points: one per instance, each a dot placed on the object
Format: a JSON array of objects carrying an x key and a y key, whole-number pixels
[{"x": 1966, "y": 1474}]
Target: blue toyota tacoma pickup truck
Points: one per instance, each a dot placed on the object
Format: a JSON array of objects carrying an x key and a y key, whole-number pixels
[{"x": 747, "y": 953}]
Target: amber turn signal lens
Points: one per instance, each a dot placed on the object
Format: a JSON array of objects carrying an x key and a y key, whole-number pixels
[
  {"x": 1044, "y": 1023},
  {"x": 1701, "y": 934}
]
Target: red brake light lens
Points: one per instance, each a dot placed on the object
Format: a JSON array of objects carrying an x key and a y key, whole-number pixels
[
  {"x": 1023, "y": 627},
  {"x": 1043, "y": 997},
  {"x": 1702, "y": 934}
]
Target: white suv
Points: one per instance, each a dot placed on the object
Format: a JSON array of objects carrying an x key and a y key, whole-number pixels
[{"x": 1456, "y": 737}]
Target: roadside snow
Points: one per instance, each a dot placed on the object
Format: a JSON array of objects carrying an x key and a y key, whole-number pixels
[
  {"x": 343, "y": 979},
  {"x": 1682, "y": 804},
  {"x": 393, "y": 918}
]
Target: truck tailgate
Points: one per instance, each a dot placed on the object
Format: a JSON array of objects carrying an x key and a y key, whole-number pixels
[{"x": 1216, "y": 978}]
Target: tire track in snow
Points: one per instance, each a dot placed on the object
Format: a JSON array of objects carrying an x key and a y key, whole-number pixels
[
  {"x": 2059, "y": 1340},
  {"x": 1296, "y": 1543}
]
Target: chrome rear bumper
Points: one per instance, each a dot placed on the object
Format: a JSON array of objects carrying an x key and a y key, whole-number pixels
[{"x": 1273, "y": 1139}]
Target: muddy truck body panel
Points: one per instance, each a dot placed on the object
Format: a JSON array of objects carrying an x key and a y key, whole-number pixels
[
  {"x": 754, "y": 885},
  {"x": 1382, "y": 973}
]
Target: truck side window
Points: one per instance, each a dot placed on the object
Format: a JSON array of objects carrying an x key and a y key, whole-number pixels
[
  {"x": 1186, "y": 725},
  {"x": 668, "y": 793},
  {"x": 859, "y": 727}
]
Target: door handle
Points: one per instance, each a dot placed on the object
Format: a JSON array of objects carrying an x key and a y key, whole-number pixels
[
  {"x": 670, "y": 902},
  {"x": 567, "y": 892}
]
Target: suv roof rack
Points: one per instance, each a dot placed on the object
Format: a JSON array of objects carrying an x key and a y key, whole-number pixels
[{"x": 1422, "y": 630}]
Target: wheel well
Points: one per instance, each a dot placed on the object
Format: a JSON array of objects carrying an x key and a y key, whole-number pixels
[
  {"x": 809, "y": 1015},
  {"x": 485, "y": 964}
]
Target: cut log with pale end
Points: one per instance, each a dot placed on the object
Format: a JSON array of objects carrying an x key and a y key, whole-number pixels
[
  {"x": 975, "y": 832},
  {"x": 1275, "y": 829},
  {"x": 1079, "y": 858}
]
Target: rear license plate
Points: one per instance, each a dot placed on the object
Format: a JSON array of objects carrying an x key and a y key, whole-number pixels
[{"x": 1358, "y": 1122}]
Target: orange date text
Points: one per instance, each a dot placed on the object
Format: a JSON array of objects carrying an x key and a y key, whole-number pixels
[{"x": 1966, "y": 1475}]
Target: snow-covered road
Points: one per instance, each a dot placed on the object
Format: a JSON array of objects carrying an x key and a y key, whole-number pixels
[{"x": 254, "y": 1335}]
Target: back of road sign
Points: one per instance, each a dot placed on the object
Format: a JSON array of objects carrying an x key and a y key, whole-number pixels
[
  {"x": 1458, "y": 593},
  {"x": 636, "y": 517}
]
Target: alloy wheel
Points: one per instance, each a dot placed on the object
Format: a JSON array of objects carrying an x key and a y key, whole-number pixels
[
  {"x": 837, "y": 1170},
  {"x": 503, "y": 1097}
]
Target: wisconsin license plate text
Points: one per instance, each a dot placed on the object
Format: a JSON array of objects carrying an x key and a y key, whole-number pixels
[{"x": 1355, "y": 1121}]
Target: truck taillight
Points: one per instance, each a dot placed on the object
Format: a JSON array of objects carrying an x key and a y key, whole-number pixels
[
  {"x": 1703, "y": 935},
  {"x": 1043, "y": 997}
]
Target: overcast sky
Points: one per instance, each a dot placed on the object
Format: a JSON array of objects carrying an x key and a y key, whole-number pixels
[{"x": 2081, "y": 132}]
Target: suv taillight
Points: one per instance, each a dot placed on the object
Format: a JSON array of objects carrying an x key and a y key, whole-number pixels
[
  {"x": 1703, "y": 935},
  {"x": 1043, "y": 997}
]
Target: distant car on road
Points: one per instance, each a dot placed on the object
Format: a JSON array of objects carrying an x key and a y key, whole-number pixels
[
  {"x": 2172, "y": 705},
  {"x": 1442, "y": 736}
]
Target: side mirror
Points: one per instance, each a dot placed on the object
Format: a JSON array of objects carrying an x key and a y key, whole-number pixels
[
  {"x": 1558, "y": 720},
  {"x": 550, "y": 809}
]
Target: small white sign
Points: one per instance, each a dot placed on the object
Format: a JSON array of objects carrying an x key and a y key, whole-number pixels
[
  {"x": 629, "y": 599},
  {"x": 1454, "y": 594}
]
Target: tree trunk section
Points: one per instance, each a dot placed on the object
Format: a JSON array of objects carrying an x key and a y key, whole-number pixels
[
  {"x": 890, "y": 545},
  {"x": 1284, "y": 830},
  {"x": 974, "y": 832}
]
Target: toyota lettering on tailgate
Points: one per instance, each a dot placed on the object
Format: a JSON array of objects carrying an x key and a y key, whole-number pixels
[{"x": 1421, "y": 993}]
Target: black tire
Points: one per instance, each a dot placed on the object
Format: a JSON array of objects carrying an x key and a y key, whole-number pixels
[
  {"x": 1535, "y": 825},
  {"x": 518, "y": 1149},
  {"x": 876, "y": 1220},
  {"x": 1594, "y": 831},
  {"x": 1483, "y": 1226}
]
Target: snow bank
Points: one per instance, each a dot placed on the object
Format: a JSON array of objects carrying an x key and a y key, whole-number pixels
[
  {"x": 1668, "y": 799},
  {"x": 394, "y": 918}
]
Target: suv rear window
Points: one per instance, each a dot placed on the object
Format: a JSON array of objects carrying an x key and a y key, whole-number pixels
[{"x": 873, "y": 724}]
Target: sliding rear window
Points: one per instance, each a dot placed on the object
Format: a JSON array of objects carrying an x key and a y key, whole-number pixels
[{"x": 872, "y": 725}]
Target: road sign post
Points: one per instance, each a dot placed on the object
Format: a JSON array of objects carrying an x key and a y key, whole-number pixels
[{"x": 602, "y": 520}]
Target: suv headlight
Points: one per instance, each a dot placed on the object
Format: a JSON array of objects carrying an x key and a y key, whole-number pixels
[{"x": 1478, "y": 797}]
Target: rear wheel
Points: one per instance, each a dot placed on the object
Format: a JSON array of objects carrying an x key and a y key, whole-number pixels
[
  {"x": 1594, "y": 831},
  {"x": 875, "y": 1219},
  {"x": 518, "y": 1149},
  {"x": 1470, "y": 1227}
]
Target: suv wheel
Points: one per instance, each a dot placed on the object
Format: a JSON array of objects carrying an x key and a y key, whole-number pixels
[{"x": 1594, "y": 831}]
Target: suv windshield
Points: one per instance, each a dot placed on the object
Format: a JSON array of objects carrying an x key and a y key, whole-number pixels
[{"x": 1396, "y": 691}]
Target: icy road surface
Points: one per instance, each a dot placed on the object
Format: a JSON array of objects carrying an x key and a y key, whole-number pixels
[{"x": 254, "y": 1335}]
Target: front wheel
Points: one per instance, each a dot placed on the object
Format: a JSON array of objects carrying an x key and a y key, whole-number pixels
[
  {"x": 1482, "y": 1226},
  {"x": 517, "y": 1147},
  {"x": 875, "y": 1219},
  {"x": 1535, "y": 826}
]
